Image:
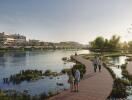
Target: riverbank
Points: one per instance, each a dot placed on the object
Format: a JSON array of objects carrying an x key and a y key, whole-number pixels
[
  {"x": 2, "y": 50},
  {"x": 107, "y": 54}
]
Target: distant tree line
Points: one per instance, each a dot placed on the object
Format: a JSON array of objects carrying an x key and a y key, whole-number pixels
[{"x": 102, "y": 44}]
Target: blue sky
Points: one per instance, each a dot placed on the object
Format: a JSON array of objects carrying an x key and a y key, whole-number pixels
[{"x": 66, "y": 20}]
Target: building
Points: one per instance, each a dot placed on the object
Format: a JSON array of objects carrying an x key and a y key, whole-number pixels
[
  {"x": 34, "y": 43},
  {"x": 12, "y": 40}
]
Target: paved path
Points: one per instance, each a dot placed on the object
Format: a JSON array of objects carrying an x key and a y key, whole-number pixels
[
  {"x": 129, "y": 67},
  {"x": 94, "y": 86}
]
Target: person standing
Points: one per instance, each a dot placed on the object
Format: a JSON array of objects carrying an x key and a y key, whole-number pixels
[
  {"x": 77, "y": 80},
  {"x": 99, "y": 64},
  {"x": 95, "y": 63},
  {"x": 75, "y": 53},
  {"x": 71, "y": 81}
]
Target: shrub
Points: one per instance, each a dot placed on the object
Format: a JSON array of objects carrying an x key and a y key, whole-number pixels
[
  {"x": 67, "y": 70},
  {"x": 119, "y": 89},
  {"x": 47, "y": 72},
  {"x": 81, "y": 68}
]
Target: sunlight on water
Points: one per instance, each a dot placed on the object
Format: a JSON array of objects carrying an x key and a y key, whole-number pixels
[
  {"x": 116, "y": 64},
  {"x": 117, "y": 71}
]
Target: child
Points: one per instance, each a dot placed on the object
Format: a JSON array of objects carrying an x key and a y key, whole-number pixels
[{"x": 71, "y": 81}]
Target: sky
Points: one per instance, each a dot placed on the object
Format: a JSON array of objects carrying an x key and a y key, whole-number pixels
[{"x": 67, "y": 20}]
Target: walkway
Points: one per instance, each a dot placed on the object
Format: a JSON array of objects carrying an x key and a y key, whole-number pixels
[
  {"x": 94, "y": 86},
  {"x": 129, "y": 67}
]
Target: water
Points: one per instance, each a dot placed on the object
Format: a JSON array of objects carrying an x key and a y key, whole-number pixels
[
  {"x": 116, "y": 64},
  {"x": 118, "y": 61},
  {"x": 13, "y": 62}
]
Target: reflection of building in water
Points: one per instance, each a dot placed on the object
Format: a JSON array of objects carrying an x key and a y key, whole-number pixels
[
  {"x": 19, "y": 54},
  {"x": 16, "y": 58}
]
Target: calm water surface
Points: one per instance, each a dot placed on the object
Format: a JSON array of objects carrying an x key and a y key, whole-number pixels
[{"x": 13, "y": 62}]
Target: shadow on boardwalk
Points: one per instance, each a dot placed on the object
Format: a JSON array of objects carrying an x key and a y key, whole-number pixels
[{"x": 94, "y": 86}]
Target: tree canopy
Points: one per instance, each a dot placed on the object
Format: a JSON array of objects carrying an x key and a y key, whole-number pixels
[{"x": 102, "y": 44}]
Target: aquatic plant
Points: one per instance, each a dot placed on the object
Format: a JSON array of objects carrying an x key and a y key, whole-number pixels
[
  {"x": 66, "y": 70},
  {"x": 29, "y": 75}
]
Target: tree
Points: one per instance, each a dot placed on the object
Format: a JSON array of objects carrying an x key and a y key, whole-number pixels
[
  {"x": 125, "y": 46},
  {"x": 101, "y": 44},
  {"x": 130, "y": 45},
  {"x": 98, "y": 43},
  {"x": 114, "y": 42}
]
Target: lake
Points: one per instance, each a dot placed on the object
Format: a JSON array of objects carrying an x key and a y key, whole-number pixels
[{"x": 13, "y": 62}]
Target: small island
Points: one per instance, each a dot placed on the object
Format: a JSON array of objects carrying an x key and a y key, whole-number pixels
[{"x": 29, "y": 75}]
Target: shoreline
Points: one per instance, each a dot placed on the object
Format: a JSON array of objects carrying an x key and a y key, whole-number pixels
[{"x": 35, "y": 49}]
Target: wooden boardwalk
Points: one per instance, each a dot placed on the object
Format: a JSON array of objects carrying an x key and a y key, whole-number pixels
[{"x": 94, "y": 86}]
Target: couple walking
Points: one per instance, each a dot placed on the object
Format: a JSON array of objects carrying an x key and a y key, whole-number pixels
[
  {"x": 74, "y": 79},
  {"x": 97, "y": 63}
]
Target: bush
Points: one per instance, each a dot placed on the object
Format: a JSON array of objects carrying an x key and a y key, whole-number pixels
[
  {"x": 47, "y": 72},
  {"x": 119, "y": 89},
  {"x": 129, "y": 59},
  {"x": 81, "y": 68},
  {"x": 67, "y": 70}
]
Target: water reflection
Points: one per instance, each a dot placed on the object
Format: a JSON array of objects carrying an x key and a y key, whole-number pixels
[
  {"x": 116, "y": 64},
  {"x": 118, "y": 60}
]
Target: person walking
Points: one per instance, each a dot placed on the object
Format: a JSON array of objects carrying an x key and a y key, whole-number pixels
[
  {"x": 77, "y": 80},
  {"x": 95, "y": 63},
  {"x": 75, "y": 53},
  {"x": 99, "y": 64}
]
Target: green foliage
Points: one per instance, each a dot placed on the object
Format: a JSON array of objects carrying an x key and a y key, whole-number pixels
[
  {"x": 81, "y": 68},
  {"x": 101, "y": 44},
  {"x": 119, "y": 86},
  {"x": 66, "y": 70},
  {"x": 29, "y": 75},
  {"x": 114, "y": 42},
  {"x": 47, "y": 72},
  {"x": 130, "y": 45},
  {"x": 126, "y": 74},
  {"x": 98, "y": 43},
  {"x": 119, "y": 89},
  {"x": 15, "y": 95},
  {"x": 24, "y": 75}
]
